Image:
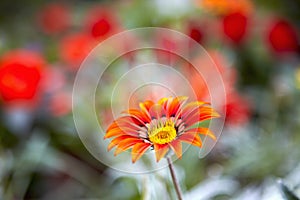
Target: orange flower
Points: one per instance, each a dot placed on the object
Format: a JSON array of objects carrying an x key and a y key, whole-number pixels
[
  {"x": 226, "y": 6},
  {"x": 162, "y": 126}
]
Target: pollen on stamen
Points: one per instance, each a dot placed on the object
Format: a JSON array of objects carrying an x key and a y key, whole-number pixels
[{"x": 163, "y": 132}]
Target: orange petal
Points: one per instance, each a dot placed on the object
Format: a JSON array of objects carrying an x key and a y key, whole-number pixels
[
  {"x": 146, "y": 105},
  {"x": 203, "y": 131},
  {"x": 139, "y": 115},
  {"x": 193, "y": 139},
  {"x": 163, "y": 102},
  {"x": 157, "y": 111},
  {"x": 175, "y": 105},
  {"x": 121, "y": 131},
  {"x": 125, "y": 121},
  {"x": 188, "y": 108},
  {"x": 117, "y": 140},
  {"x": 207, "y": 113},
  {"x": 176, "y": 146},
  {"x": 203, "y": 113},
  {"x": 138, "y": 150},
  {"x": 114, "y": 133},
  {"x": 126, "y": 144},
  {"x": 160, "y": 151}
]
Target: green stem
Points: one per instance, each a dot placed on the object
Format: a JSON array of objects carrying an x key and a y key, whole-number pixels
[{"x": 174, "y": 179}]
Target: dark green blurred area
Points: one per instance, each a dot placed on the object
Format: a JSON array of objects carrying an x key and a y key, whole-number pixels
[{"x": 42, "y": 157}]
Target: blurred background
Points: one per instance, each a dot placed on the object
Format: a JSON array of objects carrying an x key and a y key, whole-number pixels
[{"x": 255, "y": 45}]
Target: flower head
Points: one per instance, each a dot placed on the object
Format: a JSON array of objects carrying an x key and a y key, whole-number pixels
[
  {"x": 238, "y": 108},
  {"x": 282, "y": 37},
  {"x": 20, "y": 74},
  {"x": 75, "y": 47},
  {"x": 162, "y": 126},
  {"x": 235, "y": 26},
  {"x": 223, "y": 7},
  {"x": 101, "y": 23}
]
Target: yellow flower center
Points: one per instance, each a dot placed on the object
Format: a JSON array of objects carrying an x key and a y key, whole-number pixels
[{"x": 162, "y": 133}]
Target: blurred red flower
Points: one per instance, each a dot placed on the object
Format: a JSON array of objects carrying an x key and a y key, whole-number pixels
[
  {"x": 20, "y": 73},
  {"x": 237, "y": 107},
  {"x": 101, "y": 23},
  {"x": 235, "y": 26},
  {"x": 75, "y": 47},
  {"x": 196, "y": 33},
  {"x": 54, "y": 18},
  {"x": 282, "y": 37}
]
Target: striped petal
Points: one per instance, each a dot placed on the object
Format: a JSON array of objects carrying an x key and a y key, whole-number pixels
[
  {"x": 141, "y": 116},
  {"x": 146, "y": 105},
  {"x": 121, "y": 131},
  {"x": 203, "y": 113},
  {"x": 125, "y": 121},
  {"x": 176, "y": 146},
  {"x": 117, "y": 140},
  {"x": 157, "y": 111},
  {"x": 202, "y": 131},
  {"x": 163, "y": 102},
  {"x": 174, "y": 105},
  {"x": 127, "y": 144},
  {"x": 188, "y": 108},
  {"x": 193, "y": 139},
  {"x": 138, "y": 150},
  {"x": 116, "y": 132},
  {"x": 160, "y": 151}
]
